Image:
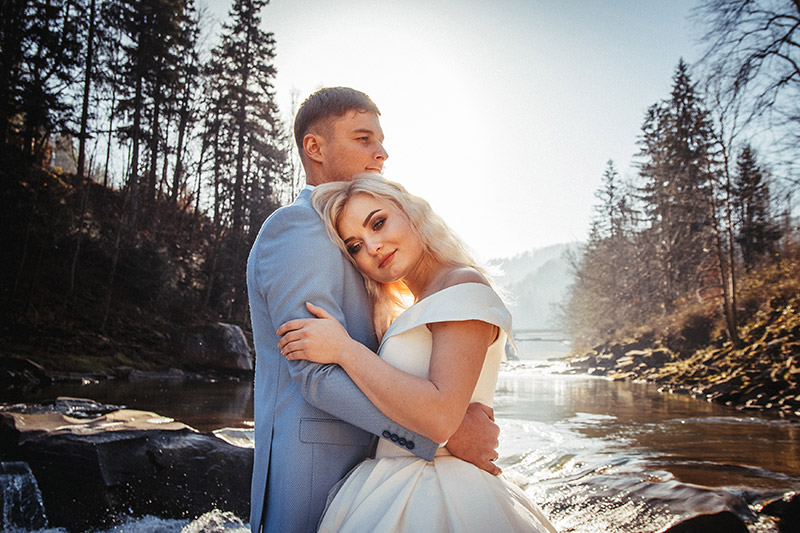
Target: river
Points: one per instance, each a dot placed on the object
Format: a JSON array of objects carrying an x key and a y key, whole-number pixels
[{"x": 596, "y": 455}]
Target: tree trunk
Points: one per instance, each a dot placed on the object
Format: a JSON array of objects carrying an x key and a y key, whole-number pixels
[
  {"x": 154, "y": 138},
  {"x": 87, "y": 83},
  {"x": 723, "y": 270},
  {"x": 133, "y": 181},
  {"x": 182, "y": 125},
  {"x": 733, "y": 328}
]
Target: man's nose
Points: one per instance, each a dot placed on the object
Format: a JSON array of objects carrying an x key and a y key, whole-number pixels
[{"x": 381, "y": 154}]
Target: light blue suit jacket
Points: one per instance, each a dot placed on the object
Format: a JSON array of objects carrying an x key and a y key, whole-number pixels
[{"x": 312, "y": 424}]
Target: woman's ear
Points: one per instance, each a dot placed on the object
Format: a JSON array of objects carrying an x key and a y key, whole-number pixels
[{"x": 312, "y": 147}]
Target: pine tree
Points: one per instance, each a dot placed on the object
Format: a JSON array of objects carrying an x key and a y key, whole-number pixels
[
  {"x": 248, "y": 144},
  {"x": 39, "y": 49},
  {"x": 676, "y": 148},
  {"x": 757, "y": 233},
  {"x": 155, "y": 35},
  {"x": 606, "y": 294}
]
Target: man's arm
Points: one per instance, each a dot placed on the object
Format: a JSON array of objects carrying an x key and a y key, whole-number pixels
[{"x": 301, "y": 264}]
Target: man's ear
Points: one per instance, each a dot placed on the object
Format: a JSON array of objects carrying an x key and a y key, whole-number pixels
[{"x": 312, "y": 147}]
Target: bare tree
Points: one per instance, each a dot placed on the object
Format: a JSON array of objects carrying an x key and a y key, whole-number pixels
[{"x": 754, "y": 48}]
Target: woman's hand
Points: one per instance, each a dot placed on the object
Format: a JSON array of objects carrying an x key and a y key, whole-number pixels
[{"x": 321, "y": 339}]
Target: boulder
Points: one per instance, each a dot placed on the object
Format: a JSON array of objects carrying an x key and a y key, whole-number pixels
[
  {"x": 92, "y": 469},
  {"x": 787, "y": 511},
  {"x": 217, "y": 346},
  {"x": 16, "y": 372}
]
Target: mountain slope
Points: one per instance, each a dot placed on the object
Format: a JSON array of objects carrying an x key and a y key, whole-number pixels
[{"x": 536, "y": 283}]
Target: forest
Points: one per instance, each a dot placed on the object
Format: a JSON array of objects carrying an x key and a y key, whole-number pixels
[
  {"x": 141, "y": 154},
  {"x": 138, "y": 164},
  {"x": 688, "y": 249}
]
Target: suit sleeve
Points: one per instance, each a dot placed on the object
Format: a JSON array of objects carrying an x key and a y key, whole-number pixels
[{"x": 300, "y": 264}]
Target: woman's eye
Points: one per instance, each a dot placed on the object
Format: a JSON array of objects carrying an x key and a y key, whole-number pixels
[
  {"x": 353, "y": 249},
  {"x": 378, "y": 224}
]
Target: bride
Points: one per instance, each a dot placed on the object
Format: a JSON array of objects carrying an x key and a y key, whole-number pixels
[{"x": 436, "y": 356}]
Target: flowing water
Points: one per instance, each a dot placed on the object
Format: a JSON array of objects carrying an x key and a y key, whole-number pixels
[{"x": 596, "y": 455}]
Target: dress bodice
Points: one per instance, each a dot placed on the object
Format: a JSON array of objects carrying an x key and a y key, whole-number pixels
[
  {"x": 398, "y": 492},
  {"x": 408, "y": 342}
]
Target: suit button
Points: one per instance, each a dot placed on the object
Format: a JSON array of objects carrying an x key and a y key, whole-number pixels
[
  {"x": 386, "y": 434},
  {"x": 401, "y": 441},
  {"x": 410, "y": 445},
  {"x": 394, "y": 437}
]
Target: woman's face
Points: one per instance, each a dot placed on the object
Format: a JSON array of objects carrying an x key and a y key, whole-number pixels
[{"x": 380, "y": 238}]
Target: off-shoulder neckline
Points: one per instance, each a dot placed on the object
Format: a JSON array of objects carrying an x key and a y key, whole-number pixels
[
  {"x": 401, "y": 323},
  {"x": 428, "y": 297}
]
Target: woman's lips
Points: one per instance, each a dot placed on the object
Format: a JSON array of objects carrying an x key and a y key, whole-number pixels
[{"x": 386, "y": 259}]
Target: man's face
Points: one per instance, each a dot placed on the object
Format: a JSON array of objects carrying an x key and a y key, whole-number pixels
[{"x": 352, "y": 144}]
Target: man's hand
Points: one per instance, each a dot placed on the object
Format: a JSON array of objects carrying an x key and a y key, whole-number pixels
[{"x": 475, "y": 440}]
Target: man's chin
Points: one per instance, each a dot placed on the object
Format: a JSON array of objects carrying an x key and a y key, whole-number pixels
[{"x": 370, "y": 173}]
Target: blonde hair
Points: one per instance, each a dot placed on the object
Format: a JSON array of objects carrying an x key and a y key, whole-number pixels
[{"x": 439, "y": 241}]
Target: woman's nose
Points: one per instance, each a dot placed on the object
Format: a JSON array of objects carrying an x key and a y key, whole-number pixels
[{"x": 374, "y": 247}]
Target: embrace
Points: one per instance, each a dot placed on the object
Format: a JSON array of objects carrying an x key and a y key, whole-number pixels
[{"x": 378, "y": 342}]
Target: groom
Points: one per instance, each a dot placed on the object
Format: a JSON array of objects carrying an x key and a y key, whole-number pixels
[{"x": 312, "y": 424}]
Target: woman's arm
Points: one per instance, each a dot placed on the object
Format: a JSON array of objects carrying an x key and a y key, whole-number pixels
[{"x": 433, "y": 407}]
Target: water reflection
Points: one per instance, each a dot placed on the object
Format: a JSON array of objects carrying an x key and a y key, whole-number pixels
[
  {"x": 697, "y": 442},
  {"x": 203, "y": 405}
]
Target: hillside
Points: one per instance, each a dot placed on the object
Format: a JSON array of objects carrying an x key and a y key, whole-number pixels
[{"x": 536, "y": 283}]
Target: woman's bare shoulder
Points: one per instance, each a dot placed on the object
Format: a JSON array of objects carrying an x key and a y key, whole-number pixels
[{"x": 462, "y": 274}]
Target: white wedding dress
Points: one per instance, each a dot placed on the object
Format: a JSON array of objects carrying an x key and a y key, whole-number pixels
[{"x": 400, "y": 492}]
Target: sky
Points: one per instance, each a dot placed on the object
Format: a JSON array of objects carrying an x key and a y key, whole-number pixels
[{"x": 501, "y": 114}]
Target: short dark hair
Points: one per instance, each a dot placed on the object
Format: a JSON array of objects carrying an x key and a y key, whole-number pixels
[{"x": 328, "y": 103}]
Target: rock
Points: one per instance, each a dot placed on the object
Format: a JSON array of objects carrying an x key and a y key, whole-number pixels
[
  {"x": 625, "y": 363},
  {"x": 21, "y": 373},
  {"x": 21, "y": 506},
  {"x": 607, "y": 360},
  {"x": 657, "y": 358},
  {"x": 91, "y": 469},
  {"x": 725, "y": 389},
  {"x": 637, "y": 355},
  {"x": 217, "y": 346},
  {"x": 584, "y": 362},
  {"x": 722, "y": 522},
  {"x": 787, "y": 511}
]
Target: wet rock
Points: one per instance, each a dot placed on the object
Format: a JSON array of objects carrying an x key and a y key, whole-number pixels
[
  {"x": 635, "y": 356},
  {"x": 657, "y": 358},
  {"x": 722, "y": 522},
  {"x": 91, "y": 469},
  {"x": 606, "y": 360},
  {"x": 217, "y": 346},
  {"x": 585, "y": 362},
  {"x": 625, "y": 363},
  {"x": 21, "y": 506},
  {"x": 787, "y": 511}
]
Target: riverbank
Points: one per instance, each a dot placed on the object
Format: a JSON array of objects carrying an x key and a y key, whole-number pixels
[
  {"x": 760, "y": 373},
  {"x": 596, "y": 454}
]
